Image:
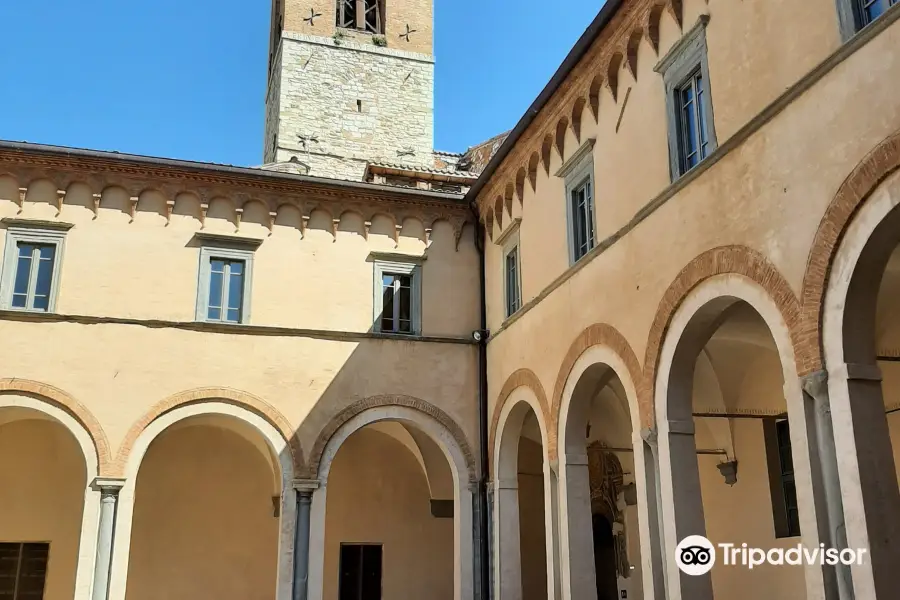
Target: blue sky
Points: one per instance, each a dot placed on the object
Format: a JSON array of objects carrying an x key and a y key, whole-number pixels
[{"x": 186, "y": 78}]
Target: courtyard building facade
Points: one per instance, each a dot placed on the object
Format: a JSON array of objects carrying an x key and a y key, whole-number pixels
[{"x": 663, "y": 305}]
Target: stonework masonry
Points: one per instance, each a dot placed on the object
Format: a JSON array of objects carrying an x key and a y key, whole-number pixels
[{"x": 341, "y": 103}]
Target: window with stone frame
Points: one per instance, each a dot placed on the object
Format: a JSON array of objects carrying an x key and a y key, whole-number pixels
[
  {"x": 30, "y": 273},
  {"x": 363, "y": 15},
  {"x": 578, "y": 173},
  {"x": 685, "y": 72},
  {"x": 854, "y": 15},
  {"x": 398, "y": 294},
  {"x": 225, "y": 278}
]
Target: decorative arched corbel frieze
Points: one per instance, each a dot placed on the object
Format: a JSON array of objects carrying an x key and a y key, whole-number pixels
[
  {"x": 612, "y": 75},
  {"x": 651, "y": 25},
  {"x": 676, "y": 9},
  {"x": 546, "y": 147},
  {"x": 577, "y": 111},
  {"x": 533, "y": 169},
  {"x": 631, "y": 51},
  {"x": 594, "y": 96},
  {"x": 521, "y": 175},
  {"x": 559, "y": 138}
]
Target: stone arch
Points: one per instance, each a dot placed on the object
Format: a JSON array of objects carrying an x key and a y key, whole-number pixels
[
  {"x": 71, "y": 415},
  {"x": 858, "y": 381},
  {"x": 874, "y": 168},
  {"x": 425, "y": 408},
  {"x": 434, "y": 423},
  {"x": 239, "y": 406},
  {"x": 57, "y": 398},
  {"x": 521, "y": 378},
  {"x": 248, "y": 402},
  {"x": 737, "y": 260},
  {"x": 599, "y": 334},
  {"x": 689, "y": 325}
]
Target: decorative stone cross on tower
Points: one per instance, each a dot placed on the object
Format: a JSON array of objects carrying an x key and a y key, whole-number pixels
[
  {"x": 313, "y": 15},
  {"x": 405, "y": 35}
]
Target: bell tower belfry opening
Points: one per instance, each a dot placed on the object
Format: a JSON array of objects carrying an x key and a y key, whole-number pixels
[{"x": 350, "y": 82}]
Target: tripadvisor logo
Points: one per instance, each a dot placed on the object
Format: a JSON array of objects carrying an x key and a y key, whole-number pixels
[{"x": 696, "y": 555}]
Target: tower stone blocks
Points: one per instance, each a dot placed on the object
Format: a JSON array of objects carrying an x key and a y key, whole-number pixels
[{"x": 339, "y": 98}]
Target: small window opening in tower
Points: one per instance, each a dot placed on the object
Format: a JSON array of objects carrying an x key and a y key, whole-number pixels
[
  {"x": 359, "y": 106},
  {"x": 365, "y": 15}
]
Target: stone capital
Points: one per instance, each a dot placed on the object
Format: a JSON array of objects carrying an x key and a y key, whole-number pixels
[
  {"x": 648, "y": 434},
  {"x": 816, "y": 384},
  {"x": 107, "y": 484},
  {"x": 307, "y": 486}
]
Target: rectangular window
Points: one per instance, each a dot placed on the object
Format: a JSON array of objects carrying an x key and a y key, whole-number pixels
[
  {"x": 783, "y": 489},
  {"x": 34, "y": 273},
  {"x": 692, "y": 127},
  {"x": 31, "y": 262},
  {"x": 364, "y": 15},
  {"x": 360, "y": 572},
  {"x": 685, "y": 72},
  {"x": 226, "y": 290},
  {"x": 513, "y": 286},
  {"x": 396, "y": 314},
  {"x": 23, "y": 570},
  {"x": 582, "y": 208},
  {"x": 398, "y": 294},
  {"x": 226, "y": 277},
  {"x": 869, "y": 10}
]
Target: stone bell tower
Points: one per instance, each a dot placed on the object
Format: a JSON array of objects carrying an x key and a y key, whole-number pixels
[{"x": 350, "y": 82}]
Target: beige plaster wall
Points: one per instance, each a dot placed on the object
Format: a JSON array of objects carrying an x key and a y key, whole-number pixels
[
  {"x": 378, "y": 493},
  {"x": 148, "y": 269},
  {"x": 42, "y": 482},
  {"x": 120, "y": 371},
  {"x": 203, "y": 524},
  {"x": 769, "y": 195}
]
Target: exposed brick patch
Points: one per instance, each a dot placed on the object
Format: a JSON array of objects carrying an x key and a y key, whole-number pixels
[
  {"x": 599, "y": 334},
  {"x": 738, "y": 260},
  {"x": 212, "y": 394},
  {"x": 60, "y": 399},
  {"x": 879, "y": 164},
  {"x": 361, "y": 406},
  {"x": 521, "y": 378}
]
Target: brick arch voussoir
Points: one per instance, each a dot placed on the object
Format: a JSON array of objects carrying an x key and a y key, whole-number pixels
[
  {"x": 359, "y": 407},
  {"x": 874, "y": 168},
  {"x": 735, "y": 260},
  {"x": 244, "y": 400},
  {"x": 64, "y": 401},
  {"x": 522, "y": 378},
  {"x": 599, "y": 334}
]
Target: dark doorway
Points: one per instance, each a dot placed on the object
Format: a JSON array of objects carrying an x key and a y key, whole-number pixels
[
  {"x": 605, "y": 559},
  {"x": 360, "y": 572}
]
